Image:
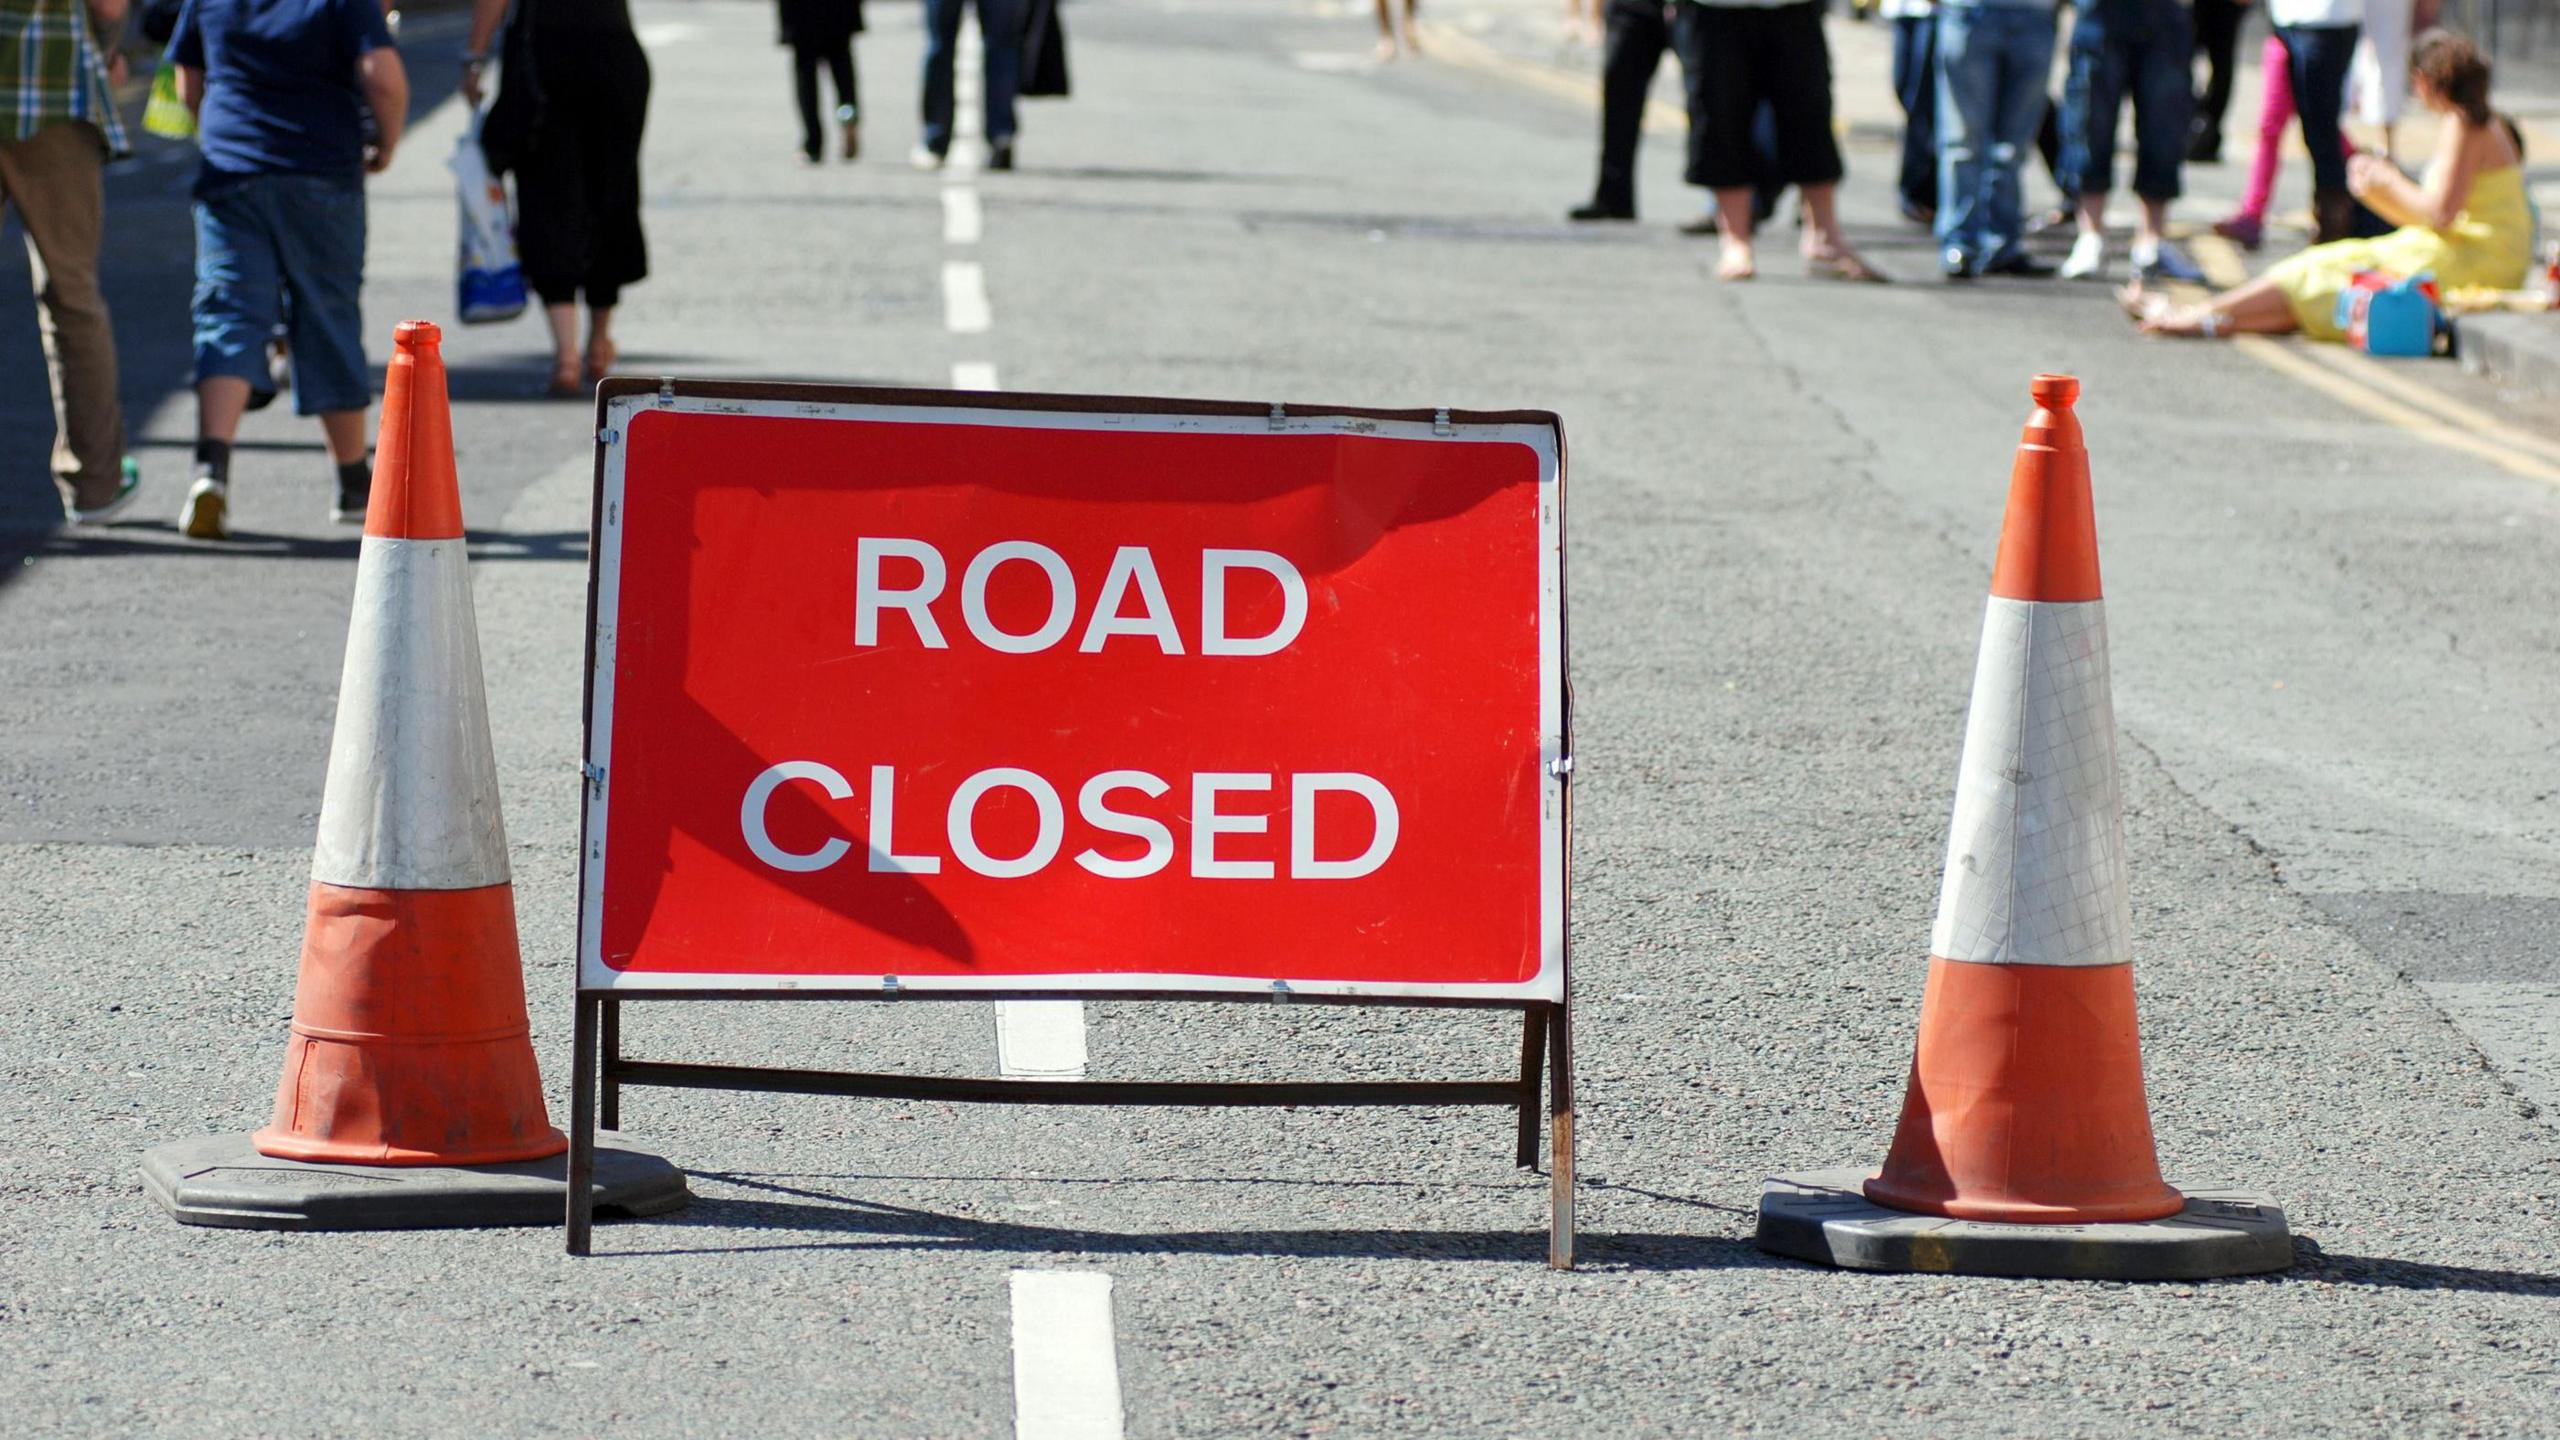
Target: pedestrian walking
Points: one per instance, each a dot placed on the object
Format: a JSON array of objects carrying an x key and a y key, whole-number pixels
[
  {"x": 58, "y": 136},
  {"x": 1000, "y": 79},
  {"x": 2217, "y": 25},
  {"x": 2142, "y": 51},
  {"x": 820, "y": 34},
  {"x": 1993, "y": 58},
  {"x": 2467, "y": 223},
  {"x": 573, "y": 101},
  {"x": 1915, "y": 85},
  {"x": 280, "y": 89},
  {"x": 1637, "y": 34},
  {"x": 1387, "y": 29},
  {"x": 2319, "y": 38},
  {"x": 1741, "y": 55}
]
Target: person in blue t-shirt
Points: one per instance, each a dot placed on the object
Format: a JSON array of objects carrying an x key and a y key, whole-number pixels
[{"x": 280, "y": 89}]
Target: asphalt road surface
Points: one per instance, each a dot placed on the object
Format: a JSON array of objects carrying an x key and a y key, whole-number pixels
[{"x": 2334, "y": 640}]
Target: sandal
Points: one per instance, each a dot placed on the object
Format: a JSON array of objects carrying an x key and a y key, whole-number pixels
[
  {"x": 1843, "y": 266},
  {"x": 564, "y": 381},
  {"x": 600, "y": 357},
  {"x": 1736, "y": 265}
]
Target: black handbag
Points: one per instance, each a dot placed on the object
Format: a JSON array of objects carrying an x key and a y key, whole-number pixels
[
  {"x": 1044, "y": 51},
  {"x": 507, "y": 135}
]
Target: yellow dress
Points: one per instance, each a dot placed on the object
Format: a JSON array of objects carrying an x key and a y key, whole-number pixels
[{"x": 2490, "y": 243}]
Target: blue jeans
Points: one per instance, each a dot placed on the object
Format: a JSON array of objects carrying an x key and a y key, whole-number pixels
[
  {"x": 2145, "y": 49},
  {"x": 262, "y": 240},
  {"x": 1915, "y": 84},
  {"x": 2318, "y": 57},
  {"x": 1000, "y": 27},
  {"x": 1992, "y": 61}
]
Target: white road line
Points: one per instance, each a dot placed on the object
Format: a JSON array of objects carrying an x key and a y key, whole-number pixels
[
  {"x": 976, "y": 375},
  {"x": 659, "y": 36},
  {"x": 1066, "y": 1369},
  {"x": 1040, "y": 1039},
  {"x": 964, "y": 298},
  {"x": 963, "y": 219}
]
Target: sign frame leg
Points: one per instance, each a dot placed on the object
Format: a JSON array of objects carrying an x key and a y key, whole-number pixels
[
  {"x": 1560, "y": 1113},
  {"x": 609, "y": 1078},
  {"x": 1533, "y": 1054},
  {"x": 583, "y": 1082}
]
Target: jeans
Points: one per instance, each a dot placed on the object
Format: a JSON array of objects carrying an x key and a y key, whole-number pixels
[
  {"x": 2318, "y": 57},
  {"x": 2218, "y": 41},
  {"x": 1000, "y": 27},
  {"x": 1638, "y": 32},
  {"x": 2145, "y": 49},
  {"x": 262, "y": 240},
  {"x": 837, "y": 61},
  {"x": 1915, "y": 84},
  {"x": 1992, "y": 61}
]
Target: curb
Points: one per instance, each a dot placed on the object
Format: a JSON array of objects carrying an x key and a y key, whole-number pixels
[{"x": 2518, "y": 350}]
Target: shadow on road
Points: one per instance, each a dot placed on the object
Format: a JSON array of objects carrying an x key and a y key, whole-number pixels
[
  {"x": 150, "y": 539},
  {"x": 893, "y": 1227},
  {"x": 2313, "y": 1265}
]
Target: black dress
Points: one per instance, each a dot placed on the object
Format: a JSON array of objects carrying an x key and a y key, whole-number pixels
[{"x": 578, "y": 181}]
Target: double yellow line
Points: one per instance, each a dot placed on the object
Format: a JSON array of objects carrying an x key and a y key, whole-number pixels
[{"x": 2370, "y": 387}]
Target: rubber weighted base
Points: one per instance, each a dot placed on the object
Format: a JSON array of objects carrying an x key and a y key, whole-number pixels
[
  {"x": 222, "y": 1180},
  {"x": 1821, "y": 1216}
]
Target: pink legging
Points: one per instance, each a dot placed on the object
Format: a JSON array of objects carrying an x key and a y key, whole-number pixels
[{"x": 2275, "y": 113}]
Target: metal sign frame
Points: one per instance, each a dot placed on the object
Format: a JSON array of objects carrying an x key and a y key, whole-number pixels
[{"x": 601, "y": 1070}]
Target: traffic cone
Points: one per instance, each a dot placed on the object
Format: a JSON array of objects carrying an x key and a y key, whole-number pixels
[
  {"x": 409, "y": 1045},
  {"x": 2026, "y": 1105}
]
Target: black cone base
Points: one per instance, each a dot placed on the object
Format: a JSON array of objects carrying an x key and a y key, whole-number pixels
[{"x": 222, "y": 1180}]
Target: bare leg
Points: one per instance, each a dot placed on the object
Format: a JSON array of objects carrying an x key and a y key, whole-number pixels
[
  {"x": 1824, "y": 239},
  {"x": 1733, "y": 219},
  {"x": 1386, "y": 30},
  {"x": 2153, "y": 228},
  {"x": 345, "y": 429},
  {"x": 220, "y": 399},
  {"x": 2257, "y": 308},
  {"x": 563, "y": 320},
  {"x": 2093, "y": 213},
  {"x": 1412, "y": 37},
  {"x": 600, "y": 349}
]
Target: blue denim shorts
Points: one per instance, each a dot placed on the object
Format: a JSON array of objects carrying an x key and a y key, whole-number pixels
[{"x": 283, "y": 249}]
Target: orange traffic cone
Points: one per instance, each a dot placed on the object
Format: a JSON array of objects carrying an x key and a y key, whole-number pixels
[
  {"x": 2026, "y": 1103},
  {"x": 409, "y": 1045}
]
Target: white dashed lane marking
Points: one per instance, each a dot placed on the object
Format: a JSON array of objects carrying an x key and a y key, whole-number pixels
[
  {"x": 974, "y": 375},
  {"x": 962, "y": 219},
  {"x": 964, "y": 298},
  {"x": 1066, "y": 1366},
  {"x": 1040, "y": 1039}
]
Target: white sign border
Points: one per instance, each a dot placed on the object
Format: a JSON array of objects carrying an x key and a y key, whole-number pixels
[{"x": 1554, "y": 762}]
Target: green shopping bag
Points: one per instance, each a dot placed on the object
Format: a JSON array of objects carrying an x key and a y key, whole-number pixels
[{"x": 166, "y": 115}]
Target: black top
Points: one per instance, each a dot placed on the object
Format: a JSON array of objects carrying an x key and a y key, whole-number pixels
[{"x": 820, "y": 23}]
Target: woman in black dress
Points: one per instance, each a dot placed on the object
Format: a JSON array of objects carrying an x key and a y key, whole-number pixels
[
  {"x": 574, "y": 96},
  {"x": 820, "y": 34}
]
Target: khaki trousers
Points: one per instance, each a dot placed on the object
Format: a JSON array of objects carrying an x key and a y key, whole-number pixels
[{"x": 55, "y": 180}]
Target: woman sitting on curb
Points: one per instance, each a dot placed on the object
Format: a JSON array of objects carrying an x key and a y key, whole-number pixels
[{"x": 2467, "y": 224}]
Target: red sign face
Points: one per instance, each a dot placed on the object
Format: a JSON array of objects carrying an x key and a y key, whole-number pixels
[{"x": 1071, "y": 702}]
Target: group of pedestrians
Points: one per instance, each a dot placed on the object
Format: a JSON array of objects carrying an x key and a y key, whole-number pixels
[{"x": 1974, "y": 81}]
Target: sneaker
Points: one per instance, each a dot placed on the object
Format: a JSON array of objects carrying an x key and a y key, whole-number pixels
[
  {"x": 2088, "y": 258},
  {"x": 128, "y": 485},
  {"x": 1000, "y": 155},
  {"x": 852, "y": 146},
  {"x": 353, "y": 497},
  {"x": 2165, "y": 262},
  {"x": 925, "y": 157},
  {"x": 1955, "y": 264},
  {"x": 206, "y": 516}
]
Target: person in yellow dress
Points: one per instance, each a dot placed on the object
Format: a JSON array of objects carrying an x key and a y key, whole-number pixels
[{"x": 2467, "y": 223}]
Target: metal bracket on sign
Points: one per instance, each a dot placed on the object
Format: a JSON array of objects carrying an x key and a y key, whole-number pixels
[
  {"x": 594, "y": 774},
  {"x": 666, "y": 389},
  {"x": 1280, "y": 992},
  {"x": 1279, "y": 415},
  {"x": 608, "y": 436},
  {"x": 889, "y": 987},
  {"x": 1561, "y": 767},
  {"x": 1440, "y": 422}
]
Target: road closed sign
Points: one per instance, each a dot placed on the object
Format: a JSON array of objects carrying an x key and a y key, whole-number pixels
[{"x": 896, "y": 691}]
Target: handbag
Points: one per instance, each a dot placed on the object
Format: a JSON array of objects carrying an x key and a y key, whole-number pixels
[
  {"x": 1044, "y": 52},
  {"x": 2383, "y": 314},
  {"x": 514, "y": 121}
]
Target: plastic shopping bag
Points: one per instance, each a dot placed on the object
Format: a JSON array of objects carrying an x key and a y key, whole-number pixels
[
  {"x": 488, "y": 283},
  {"x": 165, "y": 114},
  {"x": 2386, "y": 315}
]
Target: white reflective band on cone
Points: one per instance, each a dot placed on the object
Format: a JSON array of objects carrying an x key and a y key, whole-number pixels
[
  {"x": 2035, "y": 856},
  {"x": 412, "y": 799}
]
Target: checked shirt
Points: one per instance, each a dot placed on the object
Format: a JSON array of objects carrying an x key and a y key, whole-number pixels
[{"x": 52, "y": 69}]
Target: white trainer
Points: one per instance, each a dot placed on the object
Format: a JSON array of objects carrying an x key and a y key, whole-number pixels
[
  {"x": 2088, "y": 259},
  {"x": 207, "y": 514}
]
